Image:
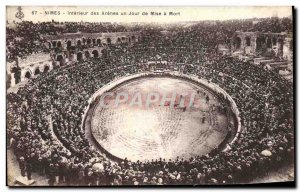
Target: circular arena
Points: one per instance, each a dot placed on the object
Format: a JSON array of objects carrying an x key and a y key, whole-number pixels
[
  {"x": 162, "y": 129},
  {"x": 109, "y": 118}
]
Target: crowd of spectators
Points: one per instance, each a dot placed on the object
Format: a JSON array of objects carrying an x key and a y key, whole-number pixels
[
  {"x": 26, "y": 37},
  {"x": 45, "y": 117}
]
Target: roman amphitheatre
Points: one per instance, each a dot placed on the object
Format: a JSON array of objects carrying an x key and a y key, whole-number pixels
[{"x": 239, "y": 128}]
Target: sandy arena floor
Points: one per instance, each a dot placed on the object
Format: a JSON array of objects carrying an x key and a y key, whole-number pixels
[{"x": 141, "y": 133}]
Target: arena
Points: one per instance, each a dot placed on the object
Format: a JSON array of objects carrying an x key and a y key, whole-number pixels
[
  {"x": 162, "y": 131},
  {"x": 231, "y": 120}
]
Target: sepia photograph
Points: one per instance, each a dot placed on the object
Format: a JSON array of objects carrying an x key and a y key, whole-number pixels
[{"x": 141, "y": 96}]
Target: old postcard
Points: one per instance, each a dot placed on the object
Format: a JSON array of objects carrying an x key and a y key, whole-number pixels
[{"x": 149, "y": 96}]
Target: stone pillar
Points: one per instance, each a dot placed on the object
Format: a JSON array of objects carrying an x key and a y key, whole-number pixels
[
  {"x": 280, "y": 44},
  {"x": 253, "y": 44},
  {"x": 12, "y": 79},
  {"x": 232, "y": 48},
  {"x": 65, "y": 44},
  {"x": 83, "y": 54},
  {"x": 23, "y": 75},
  {"x": 243, "y": 42}
]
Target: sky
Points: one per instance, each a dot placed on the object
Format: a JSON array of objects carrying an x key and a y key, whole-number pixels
[{"x": 35, "y": 13}]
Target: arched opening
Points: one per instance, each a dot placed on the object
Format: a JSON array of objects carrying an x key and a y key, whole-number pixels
[
  {"x": 123, "y": 39},
  {"x": 119, "y": 40},
  {"x": 259, "y": 43},
  {"x": 83, "y": 40},
  {"x": 60, "y": 59},
  {"x": 79, "y": 56},
  {"x": 238, "y": 43},
  {"x": 95, "y": 54},
  {"x": 78, "y": 42},
  {"x": 69, "y": 44},
  {"x": 49, "y": 45},
  {"x": 46, "y": 69},
  {"x": 248, "y": 41},
  {"x": 274, "y": 41},
  {"x": 28, "y": 75},
  {"x": 94, "y": 41},
  {"x": 17, "y": 76},
  {"x": 269, "y": 43},
  {"x": 53, "y": 43},
  {"x": 87, "y": 54},
  {"x": 108, "y": 41},
  {"x": 89, "y": 41},
  {"x": 280, "y": 45},
  {"x": 58, "y": 44},
  {"x": 37, "y": 71},
  {"x": 133, "y": 38},
  {"x": 98, "y": 42}
]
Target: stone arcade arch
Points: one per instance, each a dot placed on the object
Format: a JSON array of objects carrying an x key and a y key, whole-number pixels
[
  {"x": 133, "y": 38},
  {"x": 46, "y": 69},
  {"x": 60, "y": 59},
  {"x": 89, "y": 41},
  {"x": 238, "y": 43},
  {"x": 79, "y": 56},
  {"x": 69, "y": 44},
  {"x": 98, "y": 42},
  {"x": 28, "y": 75},
  {"x": 37, "y": 71},
  {"x": 248, "y": 41},
  {"x": 259, "y": 43},
  {"x": 78, "y": 42},
  {"x": 17, "y": 76},
  {"x": 58, "y": 44},
  {"x": 119, "y": 40},
  {"x": 95, "y": 54},
  {"x": 108, "y": 40}
]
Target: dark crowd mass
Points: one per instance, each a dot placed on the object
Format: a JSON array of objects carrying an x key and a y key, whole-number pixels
[{"x": 44, "y": 118}]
